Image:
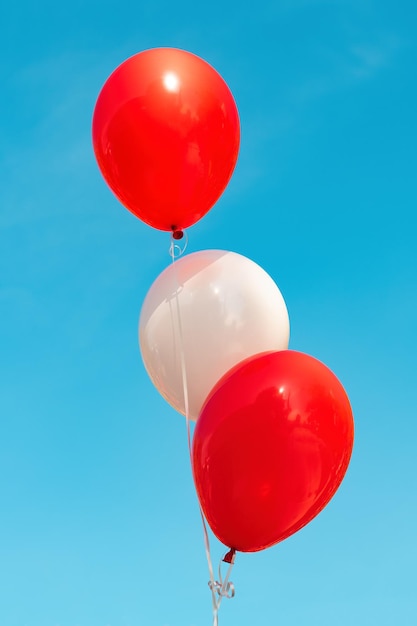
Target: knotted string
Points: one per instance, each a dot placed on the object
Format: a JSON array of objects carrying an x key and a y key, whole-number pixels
[{"x": 219, "y": 588}]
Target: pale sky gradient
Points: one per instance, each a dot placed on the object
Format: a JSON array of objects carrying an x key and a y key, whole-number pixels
[{"x": 99, "y": 524}]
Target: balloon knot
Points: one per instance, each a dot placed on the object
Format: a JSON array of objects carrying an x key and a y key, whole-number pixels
[
  {"x": 176, "y": 249},
  {"x": 229, "y": 557}
]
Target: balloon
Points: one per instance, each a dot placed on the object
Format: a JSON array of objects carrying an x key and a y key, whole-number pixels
[
  {"x": 230, "y": 308},
  {"x": 270, "y": 448},
  {"x": 166, "y": 136}
]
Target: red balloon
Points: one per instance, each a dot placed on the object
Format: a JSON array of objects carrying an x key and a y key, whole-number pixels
[
  {"x": 166, "y": 136},
  {"x": 271, "y": 446}
]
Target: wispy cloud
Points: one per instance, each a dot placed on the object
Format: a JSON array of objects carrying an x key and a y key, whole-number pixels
[
  {"x": 348, "y": 67},
  {"x": 46, "y": 153},
  {"x": 337, "y": 66},
  {"x": 369, "y": 58}
]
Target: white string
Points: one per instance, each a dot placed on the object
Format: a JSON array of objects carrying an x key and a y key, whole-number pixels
[{"x": 218, "y": 588}]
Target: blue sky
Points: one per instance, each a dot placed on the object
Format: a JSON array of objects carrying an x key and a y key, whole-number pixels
[{"x": 99, "y": 524}]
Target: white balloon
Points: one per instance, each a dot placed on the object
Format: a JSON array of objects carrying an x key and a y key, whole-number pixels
[{"x": 207, "y": 312}]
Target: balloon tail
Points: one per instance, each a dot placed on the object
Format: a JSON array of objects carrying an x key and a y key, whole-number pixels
[
  {"x": 177, "y": 233},
  {"x": 230, "y": 556},
  {"x": 219, "y": 588}
]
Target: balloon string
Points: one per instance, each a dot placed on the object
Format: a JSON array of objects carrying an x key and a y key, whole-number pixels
[
  {"x": 175, "y": 251},
  {"x": 220, "y": 588},
  {"x": 223, "y": 588}
]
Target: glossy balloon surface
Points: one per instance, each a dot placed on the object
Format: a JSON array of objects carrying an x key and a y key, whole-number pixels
[
  {"x": 166, "y": 136},
  {"x": 270, "y": 448},
  {"x": 228, "y": 308}
]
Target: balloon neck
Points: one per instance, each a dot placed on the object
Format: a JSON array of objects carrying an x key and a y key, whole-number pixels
[
  {"x": 177, "y": 233},
  {"x": 230, "y": 556}
]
